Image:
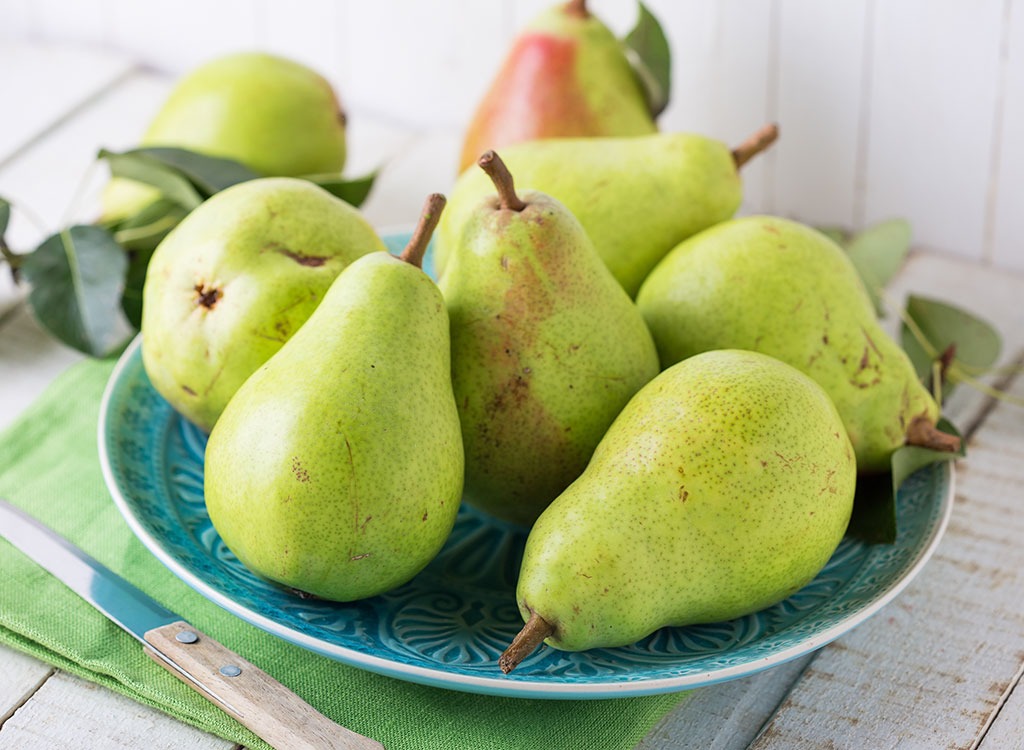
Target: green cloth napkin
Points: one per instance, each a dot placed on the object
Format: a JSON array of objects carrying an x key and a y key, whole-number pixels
[{"x": 49, "y": 466}]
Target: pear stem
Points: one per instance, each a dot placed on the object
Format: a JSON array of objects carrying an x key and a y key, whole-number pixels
[
  {"x": 764, "y": 137},
  {"x": 529, "y": 638},
  {"x": 924, "y": 434},
  {"x": 431, "y": 214},
  {"x": 495, "y": 168},
  {"x": 577, "y": 8}
]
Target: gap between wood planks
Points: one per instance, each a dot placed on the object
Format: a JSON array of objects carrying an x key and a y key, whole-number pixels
[{"x": 27, "y": 696}]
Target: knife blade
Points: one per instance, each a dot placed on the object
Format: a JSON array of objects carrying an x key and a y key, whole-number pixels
[{"x": 258, "y": 701}]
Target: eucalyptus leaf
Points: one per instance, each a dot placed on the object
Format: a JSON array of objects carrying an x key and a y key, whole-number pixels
[
  {"x": 77, "y": 276},
  {"x": 878, "y": 253},
  {"x": 648, "y": 52},
  {"x": 5, "y": 216},
  {"x": 171, "y": 183},
  {"x": 146, "y": 229},
  {"x": 874, "y": 510},
  {"x": 976, "y": 342},
  {"x": 352, "y": 191},
  {"x": 836, "y": 234},
  {"x": 209, "y": 174}
]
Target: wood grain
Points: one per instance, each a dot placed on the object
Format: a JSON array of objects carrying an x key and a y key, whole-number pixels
[{"x": 258, "y": 701}]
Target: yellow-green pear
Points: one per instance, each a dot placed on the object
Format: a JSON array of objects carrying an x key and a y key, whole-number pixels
[
  {"x": 276, "y": 116},
  {"x": 336, "y": 470},
  {"x": 235, "y": 279},
  {"x": 546, "y": 348},
  {"x": 637, "y": 197},
  {"x": 722, "y": 488},
  {"x": 776, "y": 286}
]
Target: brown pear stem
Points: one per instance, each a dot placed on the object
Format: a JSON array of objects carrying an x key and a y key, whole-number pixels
[
  {"x": 495, "y": 168},
  {"x": 924, "y": 434},
  {"x": 529, "y": 638},
  {"x": 421, "y": 235},
  {"x": 765, "y": 136},
  {"x": 577, "y": 8}
]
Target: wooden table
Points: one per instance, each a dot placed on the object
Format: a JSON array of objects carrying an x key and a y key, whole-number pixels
[{"x": 940, "y": 667}]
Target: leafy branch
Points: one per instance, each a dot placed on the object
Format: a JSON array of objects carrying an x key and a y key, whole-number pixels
[{"x": 86, "y": 280}]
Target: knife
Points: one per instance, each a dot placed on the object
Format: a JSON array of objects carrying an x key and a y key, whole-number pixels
[{"x": 258, "y": 701}]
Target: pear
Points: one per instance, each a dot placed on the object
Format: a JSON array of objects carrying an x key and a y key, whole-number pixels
[
  {"x": 784, "y": 289},
  {"x": 636, "y": 197},
  {"x": 336, "y": 470},
  {"x": 274, "y": 115},
  {"x": 235, "y": 279},
  {"x": 722, "y": 488},
  {"x": 546, "y": 348},
  {"x": 565, "y": 75}
]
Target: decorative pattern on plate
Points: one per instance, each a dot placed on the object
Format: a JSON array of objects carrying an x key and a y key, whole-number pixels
[{"x": 448, "y": 625}]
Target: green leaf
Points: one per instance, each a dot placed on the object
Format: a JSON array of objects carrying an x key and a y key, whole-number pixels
[
  {"x": 874, "y": 507},
  {"x": 838, "y": 235},
  {"x": 878, "y": 253},
  {"x": 171, "y": 183},
  {"x": 5, "y": 216},
  {"x": 352, "y": 191},
  {"x": 648, "y": 52},
  {"x": 77, "y": 276},
  {"x": 146, "y": 229},
  {"x": 209, "y": 174},
  {"x": 976, "y": 342}
]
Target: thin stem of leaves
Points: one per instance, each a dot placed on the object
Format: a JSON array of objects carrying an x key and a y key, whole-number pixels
[
  {"x": 988, "y": 390},
  {"x": 911, "y": 324},
  {"x": 76, "y": 197},
  {"x": 124, "y": 236},
  {"x": 72, "y": 256}
]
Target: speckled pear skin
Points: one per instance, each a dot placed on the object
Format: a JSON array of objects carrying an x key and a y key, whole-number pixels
[
  {"x": 637, "y": 197},
  {"x": 337, "y": 468},
  {"x": 723, "y": 487},
  {"x": 781, "y": 288},
  {"x": 231, "y": 283},
  {"x": 276, "y": 116},
  {"x": 546, "y": 350}
]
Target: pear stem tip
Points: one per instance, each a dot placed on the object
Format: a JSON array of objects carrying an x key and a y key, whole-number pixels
[
  {"x": 760, "y": 140},
  {"x": 526, "y": 641},
  {"x": 924, "y": 434},
  {"x": 429, "y": 216},
  {"x": 495, "y": 168},
  {"x": 577, "y": 8}
]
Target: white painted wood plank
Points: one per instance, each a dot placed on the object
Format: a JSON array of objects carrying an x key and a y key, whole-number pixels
[
  {"x": 820, "y": 82},
  {"x": 932, "y": 118},
  {"x": 1007, "y": 250},
  {"x": 727, "y": 716},
  {"x": 931, "y": 669},
  {"x": 1007, "y": 731},
  {"x": 67, "y": 713},
  {"x": 22, "y": 676},
  {"x": 19, "y": 21},
  {"x": 44, "y": 82},
  {"x": 310, "y": 32},
  {"x": 176, "y": 36},
  {"x": 60, "y": 20},
  {"x": 423, "y": 64}
]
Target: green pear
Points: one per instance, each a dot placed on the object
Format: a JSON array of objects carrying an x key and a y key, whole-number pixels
[
  {"x": 723, "y": 487},
  {"x": 235, "y": 279},
  {"x": 546, "y": 348},
  {"x": 565, "y": 75},
  {"x": 276, "y": 116},
  {"x": 336, "y": 470},
  {"x": 637, "y": 197},
  {"x": 784, "y": 289}
]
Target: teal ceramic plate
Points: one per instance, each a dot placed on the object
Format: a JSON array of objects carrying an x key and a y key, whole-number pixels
[{"x": 448, "y": 625}]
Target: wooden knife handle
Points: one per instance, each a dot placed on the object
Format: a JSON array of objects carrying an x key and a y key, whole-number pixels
[{"x": 258, "y": 701}]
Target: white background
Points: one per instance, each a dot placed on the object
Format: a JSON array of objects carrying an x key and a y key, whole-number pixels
[{"x": 903, "y": 108}]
